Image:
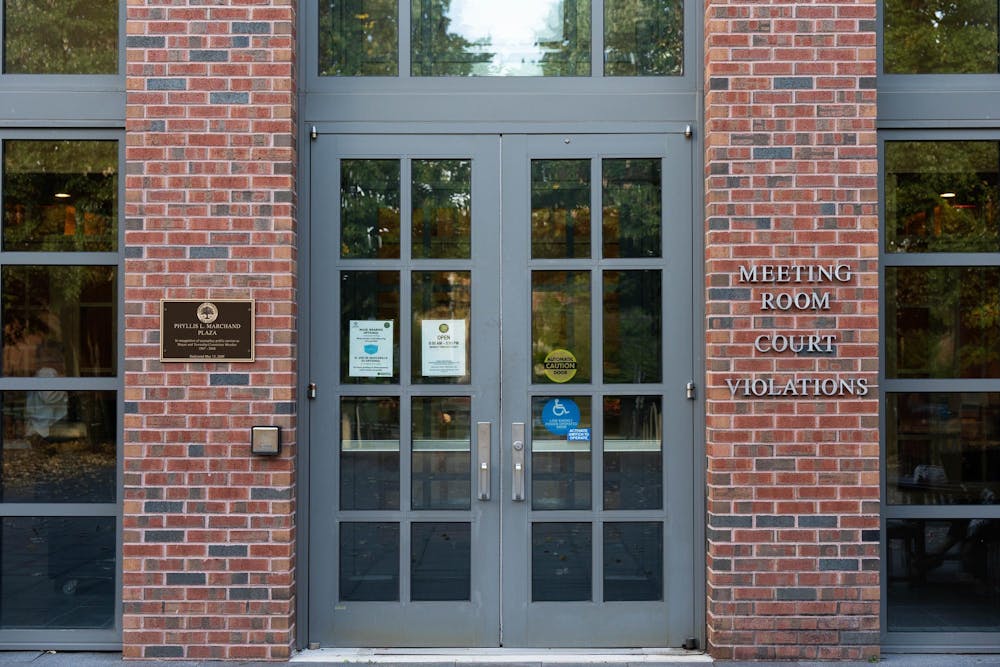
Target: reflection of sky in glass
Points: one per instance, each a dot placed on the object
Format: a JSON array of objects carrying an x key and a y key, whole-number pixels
[{"x": 513, "y": 31}]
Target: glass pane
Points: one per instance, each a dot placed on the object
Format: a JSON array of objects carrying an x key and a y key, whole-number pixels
[
  {"x": 942, "y": 196},
  {"x": 442, "y": 209},
  {"x": 60, "y": 195},
  {"x": 633, "y": 453},
  {"x": 643, "y": 37},
  {"x": 369, "y": 335},
  {"x": 632, "y": 213},
  {"x": 561, "y": 561},
  {"x": 442, "y": 453},
  {"x": 64, "y": 37},
  {"x": 940, "y": 37},
  {"x": 440, "y": 561},
  {"x": 560, "y": 326},
  {"x": 512, "y": 38},
  {"x": 943, "y": 575},
  {"x": 943, "y": 449},
  {"x": 59, "y": 321},
  {"x": 560, "y": 209},
  {"x": 633, "y": 561},
  {"x": 369, "y": 453},
  {"x": 369, "y": 561},
  {"x": 358, "y": 38},
  {"x": 369, "y": 209},
  {"x": 560, "y": 452},
  {"x": 442, "y": 309},
  {"x": 633, "y": 326},
  {"x": 942, "y": 321},
  {"x": 59, "y": 446},
  {"x": 57, "y": 572}
]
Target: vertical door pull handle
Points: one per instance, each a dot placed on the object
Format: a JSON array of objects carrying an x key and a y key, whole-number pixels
[
  {"x": 517, "y": 459},
  {"x": 483, "y": 431}
]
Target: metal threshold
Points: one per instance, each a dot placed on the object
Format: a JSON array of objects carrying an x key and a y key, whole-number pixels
[{"x": 520, "y": 656}]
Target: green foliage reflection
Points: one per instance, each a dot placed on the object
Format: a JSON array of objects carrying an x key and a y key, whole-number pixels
[
  {"x": 60, "y": 36},
  {"x": 643, "y": 37},
  {"x": 358, "y": 38},
  {"x": 940, "y": 37}
]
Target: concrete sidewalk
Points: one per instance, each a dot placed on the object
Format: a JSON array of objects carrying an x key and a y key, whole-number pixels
[{"x": 478, "y": 659}]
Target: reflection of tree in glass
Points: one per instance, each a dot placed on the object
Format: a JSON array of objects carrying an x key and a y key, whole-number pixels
[
  {"x": 942, "y": 196},
  {"x": 369, "y": 208},
  {"x": 632, "y": 326},
  {"x": 442, "y": 208},
  {"x": 60, "y": 36},
  {"x": 560, "y": 319},
  {"x": 60, "y": 195},
  {"x": 358, "y": 38},
  {"x": 571, "y": 55},
  {"x": 632, "y": 208},
  {"x": 436, "y": 50},
  {"x": 940, "y": 36},
  {"x": 643, "y": 37},
  {"x": 560, "y": 208}
]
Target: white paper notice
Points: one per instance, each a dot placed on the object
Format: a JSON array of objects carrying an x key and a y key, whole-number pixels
[
  {"x": 370, "y": 349},
  {"x": 443, "y": 348}
]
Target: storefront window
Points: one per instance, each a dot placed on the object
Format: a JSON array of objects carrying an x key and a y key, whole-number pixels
[
  {"x": 60, "y": 37},
  {"x": 940, "y": 37}
]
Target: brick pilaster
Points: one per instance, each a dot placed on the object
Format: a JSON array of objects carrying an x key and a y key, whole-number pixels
[
  {"x": 793, "y": 479},
  {"x": 209, "y": 530}
]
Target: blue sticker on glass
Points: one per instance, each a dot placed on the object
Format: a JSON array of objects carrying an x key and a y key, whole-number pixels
[
  {"x": 578, "y": 434},
  {"x": 371, "y": 349},
  {"x": 560, "y": 415}
]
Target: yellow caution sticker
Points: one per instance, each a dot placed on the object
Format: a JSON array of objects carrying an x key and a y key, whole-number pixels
[{"x": 560, "y": 366}]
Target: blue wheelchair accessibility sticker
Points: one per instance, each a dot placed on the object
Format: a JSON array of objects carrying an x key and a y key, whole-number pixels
[{"x": 560, "y": 415}]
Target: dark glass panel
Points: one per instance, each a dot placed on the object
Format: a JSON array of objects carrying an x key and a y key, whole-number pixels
[
  {"x": 358, "y": 38},
  {"x": 440, "y": 561},
  {"x": 633, "y": 326},
  {"x": 442, "y": 311},
  {"x": 942, "y": 322},
  {"x": 561, "y": 453},
  {"x": 369, "y": 209},
  {"x": 643, "y": 37},
  {"x": 632, "y": 208},
  {"x": 940, "y": 37},
  {"x": 942, "y": 196},
  {"x": 60, "y": 37},
  {"x": 369, "y": 453},
  {"x": 942, "y": 448},
  {"x": 633, "y": 561},
  {"x": 60, "y": 195},
  {"x": 561, "y": 562},
  {"x": 633, "y": 453},
  {"x": 454, "y": 38},
  {"x": 59, "y": 321},
  {"x": 442, "y": 209},
  {"x": 560, "y": 209},
  {"x": 57, "y": 572},
  {"x": 560, "y": 326},
  {"x": 369, "y": 561},
  {"x": 59, "y": 446},
  {"x": 943, "y": 575},
  {"x": 442, "y": 453},
  {"x": 369, "y": 318}
]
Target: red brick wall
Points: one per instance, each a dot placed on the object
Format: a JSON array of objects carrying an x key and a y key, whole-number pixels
[
  {"x": 209, "y": 531},
  {"x": 793, "y": 481}
]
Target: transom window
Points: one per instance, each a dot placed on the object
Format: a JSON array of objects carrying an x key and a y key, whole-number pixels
[
  {"x": 64, "y": 37},
  {"x": 550, "y": 38},
  {"x": 940, "y": 37}
]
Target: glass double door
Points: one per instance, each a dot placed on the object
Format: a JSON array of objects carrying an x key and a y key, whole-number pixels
[{"x": 500, "y": 439}]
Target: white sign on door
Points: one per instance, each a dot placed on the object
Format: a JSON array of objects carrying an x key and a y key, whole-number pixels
[
  {"x": 443, "y": 348},
  {"x": 370, "y": 349}
]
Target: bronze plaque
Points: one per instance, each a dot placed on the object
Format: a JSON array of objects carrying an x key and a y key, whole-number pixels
[{"x": 207, "y": 330}]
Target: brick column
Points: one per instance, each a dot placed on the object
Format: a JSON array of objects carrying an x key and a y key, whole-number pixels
[
  {"x": 792, "y": 438},
  {"x": 209, "y": 531}
]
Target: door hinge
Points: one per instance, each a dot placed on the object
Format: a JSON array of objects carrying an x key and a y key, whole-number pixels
[
  {"x": 311, "y": 390},
  {"x": 688, "y": 132},
  {"x": 690, "y": 390},
  {"x": 313, "y": 134}
]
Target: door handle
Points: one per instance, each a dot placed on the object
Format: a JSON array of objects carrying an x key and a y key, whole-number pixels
[
  {"x": 517, "y": 460},
  {"x": 483, "y": 430}
]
